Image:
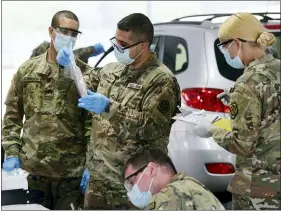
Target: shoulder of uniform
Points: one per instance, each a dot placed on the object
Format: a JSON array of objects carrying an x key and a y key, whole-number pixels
[
  {"x": 161, "y": 73},
  {"x": 175, "y": 194},
  {"x": 163, "y": 68},
  {"x": 252, "y": 80},
  {"x": 36, "y": 58},
  {"x": 164, "y": 196},
  {"x": 262, "y": 71},
  {"x": 114, "y": 66},
  {"x": 30, "y": 64}
]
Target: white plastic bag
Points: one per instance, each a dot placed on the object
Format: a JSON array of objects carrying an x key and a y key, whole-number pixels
[
  {"x": 76, "y": 75},
  {"x": 16, "y": 179}
]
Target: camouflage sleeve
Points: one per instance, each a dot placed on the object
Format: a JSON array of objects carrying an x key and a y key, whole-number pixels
[
  {"x": 92, "y": 77},
  {"x": 245, "y": 113},
  {"x": 42, "y": 48},
  {"x": 12, "y": 122},
  {"x": 154, "y": 119},
  {"x": 84, "y": 53}
]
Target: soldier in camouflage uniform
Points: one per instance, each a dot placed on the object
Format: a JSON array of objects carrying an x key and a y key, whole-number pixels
[
  {"x": 255, "y": 114},
  {"x": 133, "y": 105},
  {"x": 52, "y": 148},
  {"x": 152, "y": 172},
  {"x": 82, "y": 53}
]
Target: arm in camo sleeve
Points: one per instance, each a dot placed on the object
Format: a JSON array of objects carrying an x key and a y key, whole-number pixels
[
  {"x": 245, "y": 116},
  {"x": 12, "y": 122},
  {"x": 84, "y": 53},
  {"x": 154, "y": 119},
  {"x": 42, "y": 48}
]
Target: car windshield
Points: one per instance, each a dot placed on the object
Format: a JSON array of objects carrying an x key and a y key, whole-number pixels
[{"x": 232, "y": 73}]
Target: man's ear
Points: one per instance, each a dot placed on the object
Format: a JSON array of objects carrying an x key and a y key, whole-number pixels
[
  {"x": 152, "y": 169},
  {"x": 145, "y": 45},
  {"x": 51, "y": 31}
]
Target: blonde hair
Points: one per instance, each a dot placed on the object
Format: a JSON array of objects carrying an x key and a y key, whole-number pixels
[{"x": 247, "y": 27}]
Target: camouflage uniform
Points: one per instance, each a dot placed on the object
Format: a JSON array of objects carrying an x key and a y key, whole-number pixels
[
  {"x": 82, "y": 53},
  {"x": 255, "y": 137},
  {"x": 184, "y": 193},
  {"x": 52, "y": 147},
  {"x": 143, "y": 102}
]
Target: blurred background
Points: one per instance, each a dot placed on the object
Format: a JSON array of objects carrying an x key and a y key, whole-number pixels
[{"x": 25, "y": 23}]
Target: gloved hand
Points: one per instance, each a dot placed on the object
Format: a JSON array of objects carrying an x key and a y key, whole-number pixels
[
  {"x": 11, "y": 163},
  {"x": 203, "y": 128},
  {"x": 224, "y": 97},
  {"x": 98, "y": 49},
  {"x": 63, "y": 57},
  {"x": 94, "y": 102},
  {"x": 85, "y": 180}
]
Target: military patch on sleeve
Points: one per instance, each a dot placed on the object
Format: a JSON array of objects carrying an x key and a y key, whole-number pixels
[
  {"x": 233, "y": 110},
  {"x": 164, "y": 106}
]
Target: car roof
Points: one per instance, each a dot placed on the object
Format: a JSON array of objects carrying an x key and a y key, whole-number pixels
[{"x": 208, "y": 20}]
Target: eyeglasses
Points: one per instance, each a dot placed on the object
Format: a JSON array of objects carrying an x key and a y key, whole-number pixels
[
  {"x": 120, "y": 48},
  {"x": 68, "y": 32},
  {"x": 127, "y": 184},
  {"x": 221, "y": 45}
]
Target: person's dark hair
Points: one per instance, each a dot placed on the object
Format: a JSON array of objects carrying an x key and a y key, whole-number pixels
[
  {"x": 140, "y": 26},
  {"x": 144, "y": 156},
  {"x": 65, "y": 14}
]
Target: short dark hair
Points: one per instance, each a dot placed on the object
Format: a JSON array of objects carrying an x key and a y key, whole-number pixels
[
  {"x": 65, "y": 14},
  {"x": 139, "y": 25},
  {"x": 143, "y": 156}
]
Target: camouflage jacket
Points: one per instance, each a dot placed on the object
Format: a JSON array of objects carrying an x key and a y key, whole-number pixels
[
  {"x": 54, "y": 138},
  {"x": 184, "y": 193},
  {"x": 81, "y": 53},
  {"x": 143, "y": 102},
  {"x": 255, "y": 137}
]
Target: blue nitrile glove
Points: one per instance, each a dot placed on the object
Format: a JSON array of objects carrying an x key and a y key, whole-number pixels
[
  {"x": 85, "y": 180},
  {"x": 94, "y": 102},
  {"x": 63, "y": 57},
  {"x": 11, "y": 163},
  {"x": 98, "y": 49}
]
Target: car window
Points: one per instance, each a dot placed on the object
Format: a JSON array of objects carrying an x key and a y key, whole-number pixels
[
  {"x": 175, "y": 54},
  {"x": 154, "y": 47}
]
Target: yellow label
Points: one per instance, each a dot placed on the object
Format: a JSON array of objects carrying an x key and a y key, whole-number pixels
[{"x": 223, "y": 123}]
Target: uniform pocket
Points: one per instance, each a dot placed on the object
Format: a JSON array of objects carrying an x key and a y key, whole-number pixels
[
  {"x": 32, "y": 95},
  {"x": 132, "y": 98}
]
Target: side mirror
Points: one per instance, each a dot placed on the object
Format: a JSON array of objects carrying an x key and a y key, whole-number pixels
[{"x": 178, "y": 51}]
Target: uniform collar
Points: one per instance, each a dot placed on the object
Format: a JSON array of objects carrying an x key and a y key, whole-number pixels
[
  {"x": 179, "y": 176},
  {"x": 43, "y": 65},
  {"x": 152, "y": 61},
  {"x": 262, "y": 60}
]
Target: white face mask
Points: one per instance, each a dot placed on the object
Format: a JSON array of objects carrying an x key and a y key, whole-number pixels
[
  {"x": 138, "y": 198},
  {"x": 236, "y": 61},
  {"x": 62, "y": 40},
  {"x": 124, "y": 58}
]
